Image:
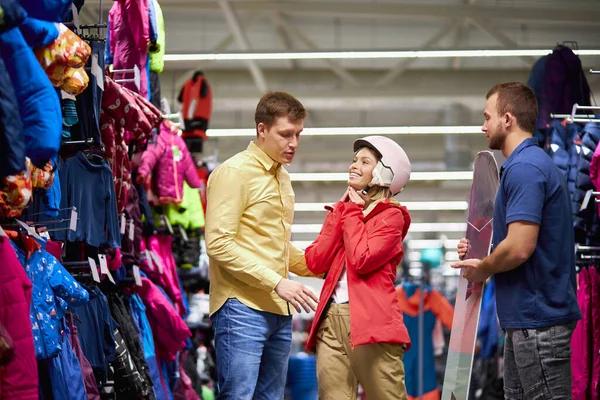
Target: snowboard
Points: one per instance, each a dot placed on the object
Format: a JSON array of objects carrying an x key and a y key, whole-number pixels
[{"x": 463, "y": 337}]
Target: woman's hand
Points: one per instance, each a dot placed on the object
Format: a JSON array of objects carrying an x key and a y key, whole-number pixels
[
  {"x": 345, "y": 196},
  {"x": 355, "y": 197}
]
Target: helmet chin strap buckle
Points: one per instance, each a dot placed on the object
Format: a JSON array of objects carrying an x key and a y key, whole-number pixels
[{"x": 365, "y": 191}]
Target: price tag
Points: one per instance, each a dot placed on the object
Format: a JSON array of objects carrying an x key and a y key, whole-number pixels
[
  {"x": 168, "y": 224},
  {"x": 94, "y": 269},
  {"x": 2, "y": 233},
  {"x": 45, "y": 235},
  {"x": 131, "y": 230},
  {"x": 586, "y": 200},
  {"x": 66, "y": 96},
  {"x": 104, "y": 267},
  {"x": 149, "y": 259},
  {"x": 97, "y": 72},
  {"x": 73, "y": 223},
  {"x": 137, "y": 276},
  {"x": 122, "y": 224},
  {"x": 30, "y": 229},
  {"x": 158, "y": 262}
]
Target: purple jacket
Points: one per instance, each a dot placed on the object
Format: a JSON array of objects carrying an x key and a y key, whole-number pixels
[
  {"x": 171, "y": 162},
  {"x": 595, "y": 172}
]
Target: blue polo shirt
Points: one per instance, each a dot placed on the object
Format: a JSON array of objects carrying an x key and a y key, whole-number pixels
[{"x": 541, "y": 291}]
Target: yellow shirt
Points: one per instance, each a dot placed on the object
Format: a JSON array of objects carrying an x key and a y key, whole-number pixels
[{"x": 250, "y": 209}]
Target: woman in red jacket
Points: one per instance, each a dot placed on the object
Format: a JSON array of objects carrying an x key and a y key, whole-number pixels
[{"x": 358, "y": 333}]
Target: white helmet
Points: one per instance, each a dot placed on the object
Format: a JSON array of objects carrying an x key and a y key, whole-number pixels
[{"x": 393, "y": 168}]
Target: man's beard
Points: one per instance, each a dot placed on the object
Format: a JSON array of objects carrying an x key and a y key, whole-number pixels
[{"x": 497, "y": 139}]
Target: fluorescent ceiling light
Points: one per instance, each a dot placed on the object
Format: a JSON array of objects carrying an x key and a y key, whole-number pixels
[
  {"x": 367, "y": 54},
  {"x": 349, "y": 131},
  {"x": 414, "y": 227},
  {"x": 411, "y": 205},
  {"x": 414, "y": 176}
]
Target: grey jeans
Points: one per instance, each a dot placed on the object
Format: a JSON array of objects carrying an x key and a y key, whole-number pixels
[{"x": 537, "y": 363}]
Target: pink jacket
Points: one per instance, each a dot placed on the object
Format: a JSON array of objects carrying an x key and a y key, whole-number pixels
[
  {"x": 129, "y": 40},
  {"x": 595, "y": 172},
  {"x": 168, "y": 280},
  {"x": 18, "y": 380},
  {"x": 171, "y": 162},
  {"x": 168, "y": 328}
]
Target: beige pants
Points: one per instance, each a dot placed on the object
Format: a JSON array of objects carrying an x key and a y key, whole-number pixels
[{"x": 377, "y": 367}]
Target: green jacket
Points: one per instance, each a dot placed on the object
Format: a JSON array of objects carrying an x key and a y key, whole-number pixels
[
  {"x": 189, "y": 213},
  {"x": 157, "y": 63}
]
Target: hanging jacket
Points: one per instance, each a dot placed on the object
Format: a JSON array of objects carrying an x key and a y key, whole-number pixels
[
  {"x": 38, "y": 33},
  {"x": 171, "y": 163},
  {"x": 18, "y": 380},
  {"x": 139, "y": 314},
  {"x": 565, "y": 148},
  {"x": 48, "y": 10},
  {"x": 435, "y": 306},
  {"x": 54, "y": 290},
  {"x": 586, "y": 222},
  {"x": 128, "y": 37},
  {"x": 161, "y": 246},
  {"x": 143, "y": 385},
  {"x": 12, "y": 137},
  {"x": 39, "y": 105},
  {"x": 168, "y": 328},
  {"x": 65, "y": 372},
  {"x": 370, "y": 247},
  {"x": 564, "y": 84},
  {"x": 157, "y": 53},
  {"x": 196, "y": 105},
  {"x": 595, "y": 172},
  {"x": 89, "y": 380},
  {"x": 13, "y": 15},
  {"x": 189, "y": 213},
  {"x": 96, "y": 328}
]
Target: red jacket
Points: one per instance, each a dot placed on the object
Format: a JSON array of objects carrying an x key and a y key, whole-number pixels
[{"x": 371, "y": 249}]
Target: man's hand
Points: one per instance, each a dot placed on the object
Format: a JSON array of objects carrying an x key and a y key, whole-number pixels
[
  {"x": 471, "y": 270},
  {"x": 463, "y": 248},
  {"x": 297, "y": 294}
]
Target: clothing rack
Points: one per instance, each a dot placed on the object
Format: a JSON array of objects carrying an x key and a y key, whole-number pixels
[{"x": 136, "y": 75}]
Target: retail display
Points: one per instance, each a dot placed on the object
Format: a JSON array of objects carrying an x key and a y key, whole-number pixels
[{"x": 93, "y": 306}]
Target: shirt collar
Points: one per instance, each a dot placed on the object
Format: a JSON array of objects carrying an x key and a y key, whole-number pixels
[
  {"x": 524, "y": 144},
  {"x": 262, "y": 157}
]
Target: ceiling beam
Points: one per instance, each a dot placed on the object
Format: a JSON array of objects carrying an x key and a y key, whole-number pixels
[
  {"x": 243, "y": 44},
  {"x": 404, "y": 64},
  {"x": 335, "y": 66},
  {"x": 485, "y": 25},
  {"x": 283, "y": 37},
  {"x": 583, "y": 13},
  {"x": 247, "y": 23}
]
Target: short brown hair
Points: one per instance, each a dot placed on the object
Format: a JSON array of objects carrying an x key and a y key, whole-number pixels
[
  {"x": 278, "y": 104},
  {"x": 519, "y": 100}
]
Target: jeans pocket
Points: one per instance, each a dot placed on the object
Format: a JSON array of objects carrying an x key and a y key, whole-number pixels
[{"x": 560, "y": 336}]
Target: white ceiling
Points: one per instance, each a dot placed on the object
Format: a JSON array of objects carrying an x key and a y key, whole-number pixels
[{"x": 354, "y": 92}]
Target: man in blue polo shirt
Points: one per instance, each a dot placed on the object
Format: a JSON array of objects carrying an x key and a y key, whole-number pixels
[{"x": 532, "y": 260}]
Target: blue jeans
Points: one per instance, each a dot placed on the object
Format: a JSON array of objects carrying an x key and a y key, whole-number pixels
[
  {"x": 253, "y": 348},
  {"x": 537, "y": 363}
]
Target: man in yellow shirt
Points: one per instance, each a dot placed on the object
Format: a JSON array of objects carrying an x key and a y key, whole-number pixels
[{"x": 250, "y": 208}]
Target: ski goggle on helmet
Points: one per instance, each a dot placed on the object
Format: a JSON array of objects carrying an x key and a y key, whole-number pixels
[{"x": 393, "y": 169}]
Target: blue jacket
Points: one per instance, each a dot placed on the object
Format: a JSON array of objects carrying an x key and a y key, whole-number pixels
[
  {"x": 38, "y": 101},
  {"x": 12, "y": 139},
  {"x": 65, "y": 373},
  {"x": 565, "y": 148},
  {"x": 54, "y": 290},
  {"x": 48, "y": 10},
  {"x": 586, "y": 223},
  {"x": 38, "y": 33}
]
